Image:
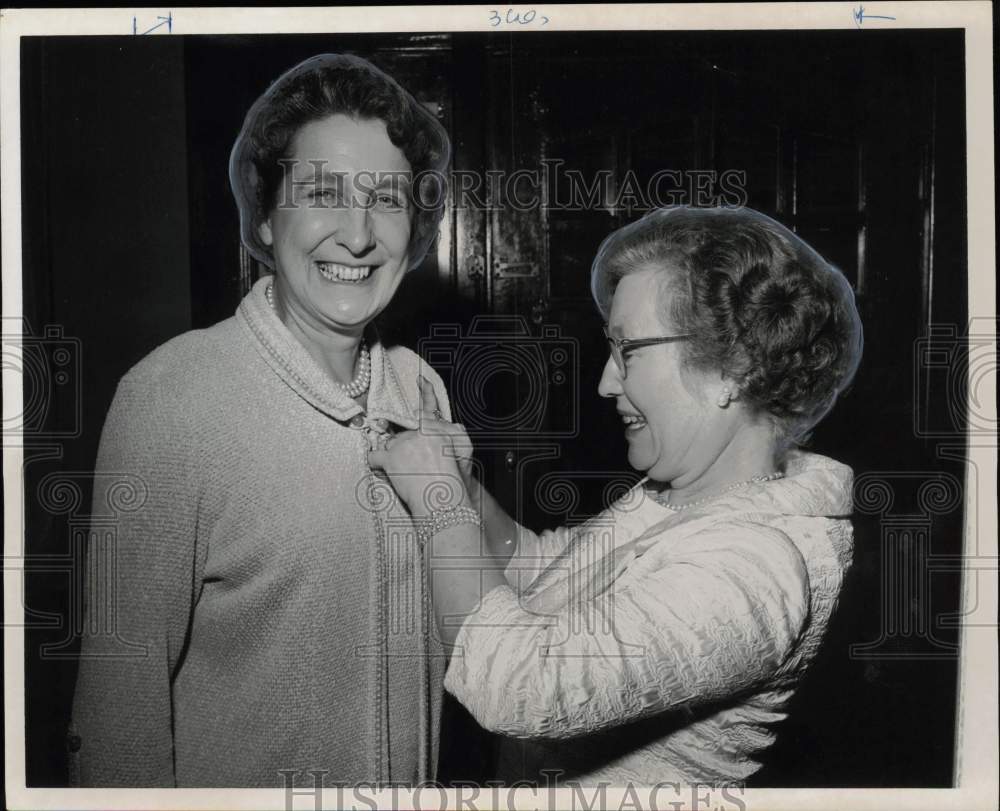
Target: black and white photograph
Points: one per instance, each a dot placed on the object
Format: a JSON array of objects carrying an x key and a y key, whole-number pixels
[{"x": 521, "y": 407}]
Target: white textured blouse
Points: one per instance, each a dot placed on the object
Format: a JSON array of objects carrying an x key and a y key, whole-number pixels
[{"x": 650, "y": 645}]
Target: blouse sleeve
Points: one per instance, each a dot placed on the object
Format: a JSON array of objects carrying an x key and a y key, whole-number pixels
[
  {"x": 712, "y": 619},
  {"x": 534, "y": 554}
]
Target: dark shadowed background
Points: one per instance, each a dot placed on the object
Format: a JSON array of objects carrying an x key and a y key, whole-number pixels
[{"x": 130, "y": 237}]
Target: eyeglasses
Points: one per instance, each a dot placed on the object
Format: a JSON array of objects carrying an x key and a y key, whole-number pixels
[{"x": 619, "y": 346}]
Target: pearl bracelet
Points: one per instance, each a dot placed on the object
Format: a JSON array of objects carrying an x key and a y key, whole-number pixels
[{"x": 444, "y": 518}]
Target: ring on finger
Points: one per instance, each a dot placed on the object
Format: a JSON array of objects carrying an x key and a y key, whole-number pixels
[{"x": 437, "y": 414}]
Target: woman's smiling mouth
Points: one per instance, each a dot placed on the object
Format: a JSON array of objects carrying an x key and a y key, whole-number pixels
[
  {"x": 335, "y": 272},
  {"x": 633, "y": 422}
]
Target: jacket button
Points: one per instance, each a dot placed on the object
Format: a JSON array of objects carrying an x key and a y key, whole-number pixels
[
  {"x": 381, "y": 423},
  {"x": 357, "y": 421},
  {"x": 74, "y": 742}
]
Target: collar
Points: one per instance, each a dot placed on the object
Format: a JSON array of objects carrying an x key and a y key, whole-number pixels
[
  {"x": 813, "y": 485},
  {"x": 288, "y": 359}
]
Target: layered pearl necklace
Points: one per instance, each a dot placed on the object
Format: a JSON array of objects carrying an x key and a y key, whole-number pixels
[
  {"x": 663, "y": 497},
  {"x": 362, "y": 377}
]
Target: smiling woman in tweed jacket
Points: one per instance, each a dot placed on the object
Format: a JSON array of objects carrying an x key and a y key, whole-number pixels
[{"x": 253, "y": 639}]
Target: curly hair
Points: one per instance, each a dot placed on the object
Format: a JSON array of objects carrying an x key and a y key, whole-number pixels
[
  {"x": 763, "y": 308},
  {"x": 313, "y": 90}
]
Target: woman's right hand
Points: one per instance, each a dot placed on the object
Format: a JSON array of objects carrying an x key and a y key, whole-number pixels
[
  {"x": 422, "y": 470},
  {"x": 500, "y": 531},
  {"x": 433, "y": 423},
  {"x": 431, "y": 467}
]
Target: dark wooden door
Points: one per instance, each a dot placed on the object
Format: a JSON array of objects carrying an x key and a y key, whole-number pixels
[{"x": 611, "y": 137}]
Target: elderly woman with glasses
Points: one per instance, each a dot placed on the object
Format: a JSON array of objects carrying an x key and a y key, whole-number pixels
[
  {"x": 258, "y": 640},
  {"x": 662, "y": 639}
]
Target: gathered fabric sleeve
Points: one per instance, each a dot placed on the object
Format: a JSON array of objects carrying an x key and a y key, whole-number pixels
[
  {"x": 534, "y": 554},
  {"x": 710, "y": 619},
  {"x": 139, "y": 589}
]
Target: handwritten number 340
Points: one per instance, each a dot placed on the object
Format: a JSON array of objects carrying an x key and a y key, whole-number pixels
[{"x": 513, "y": 17}]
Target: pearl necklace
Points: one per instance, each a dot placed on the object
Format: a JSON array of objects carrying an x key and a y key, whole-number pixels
[
  {"x": 362, "y": 377},
  {"x": 663, "y": 497}
]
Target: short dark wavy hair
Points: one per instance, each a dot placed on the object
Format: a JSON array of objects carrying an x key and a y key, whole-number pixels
[
  {"x": 763, "y": 307},
  {"x": 313, "y": 90}
]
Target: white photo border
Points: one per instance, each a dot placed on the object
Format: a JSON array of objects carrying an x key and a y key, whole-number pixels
[{"x": 977, "y": 730}]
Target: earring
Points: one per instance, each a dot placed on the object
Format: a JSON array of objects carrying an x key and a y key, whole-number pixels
[{"x": 724, "y": 398}]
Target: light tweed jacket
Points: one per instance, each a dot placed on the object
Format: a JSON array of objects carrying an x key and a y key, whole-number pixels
[
  {"x": 649, "y": 646},
  {"x": 268, "y": 608}
]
